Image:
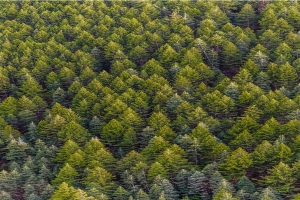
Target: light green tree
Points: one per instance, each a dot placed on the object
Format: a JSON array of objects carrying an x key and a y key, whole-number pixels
[{"x": 236, "y": 163}]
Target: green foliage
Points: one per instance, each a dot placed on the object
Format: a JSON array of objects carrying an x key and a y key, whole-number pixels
[
  {"x": 281, "y": 178},
  {"x": 155, "y": 170},
  {"x": 67, "y": 175},
  {"x": 223, "y": 194},
  {"x": 112, "y": 132},
  {"x": 236, "y": 164},
  {"x": 165, "y": 89},
  {"x": 73, "y": 131}
]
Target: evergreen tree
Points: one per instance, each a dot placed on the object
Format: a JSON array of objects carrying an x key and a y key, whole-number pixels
[
  {"x": 155, "y": 192},
  {"x": 244, "y": 140},
  {"x": 17, "y": 151},
  {"x": 95, "y": 126},
  {"x": 66, "y": 151},
  {"x": 281, "y": 178},
  {"x": 158, "y": 120},
  {"x": 197, "y": 184},
  {"x": 100, "y": 178},
  {"x": 167, "y": 188},
  {"x": 30, "y": 88},
  {"x": 66, "y": 175},
  {"x": 112, "y": 132},
  {"x": 5, "y": 195},
  {"x": 263, "y": 81},
  {"x": 73, "y": 131},
  {"x": 59, "y": 96},
  {"x": 269, "y": 193},
  {"x": 145, "y": 136},
  {"x": 155, "y": 170},
  {"x": 236, "y": 163},
  {"x": 141, "y": 195},
  {"x": 230, "y": 55},
  {"x": 32, "y": 133},
  {"x": 232, "y": 91},
  {"x": 288, "y": 76},
  {"x": 223, "y": 194},
  {"x": 64, "y": 192},
  {"x": 246, "y": 185},
  {"x": 121, "y": 194},
  {"x": 246, "y": 16},
  {"x": 181, "y": 182}
]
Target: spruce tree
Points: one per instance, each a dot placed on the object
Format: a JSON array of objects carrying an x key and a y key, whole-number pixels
[{"x": 197, "y": 184}]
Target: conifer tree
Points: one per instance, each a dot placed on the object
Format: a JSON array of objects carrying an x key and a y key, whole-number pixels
[
  {"x": 121, "y": 194},
  {"x": 246, "y": 16},
  {"x": 155, "y": 170},
  {"x": 66, "y": 175},
  {"x": 223, "y": 194},
  {"x": 236, "y": 163},
  {"x": 141, "y": 195},
  {"x": 197, "y": 184}
]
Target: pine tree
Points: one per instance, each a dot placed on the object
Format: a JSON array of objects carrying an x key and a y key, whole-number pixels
[
  {"x": 29, "y": 190},
  {"x": 66, "y": 151},
  {"x": 158, "y": 120},
  {"x": 66, "y": 175},
  {"x": 232, "y": 91},
  {"x": 246, "y": 188},
  {"x": 64, "y": 192},
  {"x": 223, "y": 194},
  {"x": 269, "y": 193},
  {"x": 167, "y": 188},
  {"x": 112, "y": 132},
  {"x": 246, "y": 123},
  {"x": 155, "y": 170},
  {"x": 281, "y": 178},
  {"x": 269, "y": 39},
  {"x": 77, "y": 160},
  {"x": 9, "y": 133},
  {"x": 26, "y": 173},
  {"x": 101, "y": 157},
  {"x": 155, "y": 192},
  {"x": 281, "y": 152},
  {"x": 17, "y": 151},
  {"x": 101, "y": 178},
  {"x": 95, "y": 126},
  {"x": 32, "y": 133},
  {"x": 14, "y": 183},
  {"x": 141, "y": 195},
  {"x": 30, "y": 88},
  {"x": 236, "y": 163},
  {"x": 197, "y": 184},
  {"x": 246, "y": 16},
  {"x": 26, "y": 117},
  {"x": 243, "y": 77},
  {"x": 288, "y": 76},
  {"x": 145, "y": 136},
  {"x": 5, "y": 195},
  {"x": 217, "y": 15},
  {"x": 181, "y": 182},
  {"x": 121, "y": 194},
  {"x": 230, "y": 55},
  {"x": 263, "y": 81},
  {"x": 244, "y": 140},
  {"x": 73, "y": 131},
  {"x": 8, "y": 106},
  {"x": 92, "y": 146},
  {"x": 246, "y": 185},
  {"x": 59, "y": 96},
  {"x": 167, "y": 133},
  {"x": 173, "y": 159}
]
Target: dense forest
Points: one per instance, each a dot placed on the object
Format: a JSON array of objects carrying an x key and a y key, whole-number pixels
[{"x": 149, "y": 100}]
